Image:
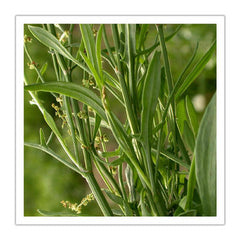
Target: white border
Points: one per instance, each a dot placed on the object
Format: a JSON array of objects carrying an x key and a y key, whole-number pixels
[{"x": 220, "y": 219}]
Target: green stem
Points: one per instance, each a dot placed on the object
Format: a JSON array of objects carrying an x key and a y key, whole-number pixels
[{"x": 101, "y": 200}]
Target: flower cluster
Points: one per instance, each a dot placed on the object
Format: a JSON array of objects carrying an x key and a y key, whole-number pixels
[
  {"x": 78, "y": 207},
  {"x": 60, "y": 113},
  {"x": 82, "y": 115},
  {"x": 103, "y": 138},
  {"x": 87, "y": 82}
]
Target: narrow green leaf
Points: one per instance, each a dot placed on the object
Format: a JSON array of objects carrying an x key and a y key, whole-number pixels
[
  {"x": 50, "y": 138},
  {"x": 176, "y": 87},
  {"x": 75, "y": 91},
  {"x": 183, "y": 201},
  {"x": 113, "y": 163},
  {"x": 53, "y": 154},
  {"x": 118, "y": 161},
  {"x": 181, "y": 115},
  {"x": 109, "y": 49},
  {"x": 97, "y": 123},
  {"x": 175, "y": 159},
  {"x": 182, "y": 147},
  {"x": 115, "y": 153},
  {"x": 130, "y": 47},
  {"x": 51, "y": 123},
  {"x": 130, "y": 183},
  {"x": 184, "y": 133},
  {"x": 192, "y": 115},
  {"x": 163, "y": 86},
  {"x": 188, "y": 136},
  {"x": 102, "y": 124},
  {"x": 111, "y": 80},
  {"x": 165, "y": 58},
  {"x": 196, "y": 70},
  {"x": 41, "y": 72},
  {"x": 92, "y": 69},
  {"x": 149, "y": 101},
  {"x": 147, "y": 51},
  {"x": 51, "y": 41},
  {"x": 42, "y": 137},
  {"x": 120, "y": 134},
  {"x": 98, "y": 50},
  {"x": 113, "y": 197},
  {"x": 89, "y": 43},
  {"x": 142, "y": 35},
  {"x": 206, "y": 159},
  {"x": 171, "y": 35},
  {"x": 44, "y": 68}
]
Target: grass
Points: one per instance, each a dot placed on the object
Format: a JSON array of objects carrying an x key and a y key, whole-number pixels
[{"x": 165, "y": 161}]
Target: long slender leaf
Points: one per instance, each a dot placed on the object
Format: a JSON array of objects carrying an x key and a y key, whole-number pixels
[
  {"x": 188, "y": 136},
  {"x": 75, "y": 91},
  {"x": 196, "y": 70},
  {"x": 51, "y": 123},
  {"x": 42, "y": 137},
  {"x": 171, "y": 35},
  {"x": 173, "y": 158},
  {"x": 130, "y": 45},
  {"x": 165, "y": 58},
  {"x": 192, "y": 115},
  {"x": 93, "y": 70},
  {"x": 176, "y": 87},
  {"x": 149, "y": 102},
  {"x": 53, "y": 154},
  {"x": 142, "y": 35},
  {"x": 114, "y": 198},
  {"x": 89, "y": 43},
  {"x": 206, "y": 159},
  {"x": 98, "y": 50},
  {"x": 51, "y": 41}
]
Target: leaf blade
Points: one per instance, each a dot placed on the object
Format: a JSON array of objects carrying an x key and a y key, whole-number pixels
[
  {"x": 72, "y": 90},
  {"x": 196, "y": 70},
  {"x": 51, "y": 41},
  {"x": 192, "y": 115},
  {"x": 53, "y": 154},
  {"x": 206, "y": 159}
]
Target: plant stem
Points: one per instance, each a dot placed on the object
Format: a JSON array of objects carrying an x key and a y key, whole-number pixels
[{"x": 101, "y": 200}]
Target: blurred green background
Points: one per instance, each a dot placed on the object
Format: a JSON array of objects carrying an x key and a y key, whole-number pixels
[{"x": 46, "y": 181}]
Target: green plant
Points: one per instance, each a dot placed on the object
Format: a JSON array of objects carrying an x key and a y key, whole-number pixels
[{"x": 169, "y": 160}]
